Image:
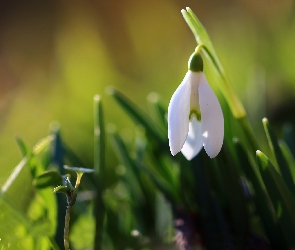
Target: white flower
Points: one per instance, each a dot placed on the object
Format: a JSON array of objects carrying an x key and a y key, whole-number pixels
[{"x": 195, "y": 118}]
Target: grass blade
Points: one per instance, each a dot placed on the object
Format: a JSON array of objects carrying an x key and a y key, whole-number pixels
[
  {"x": 99, "y": 167},
  {"x": 139, "y": 116},
  {"x": 282, "y": 199},
  {"x": 281, "y": 161},
  {"x": 260, "y": 198}
]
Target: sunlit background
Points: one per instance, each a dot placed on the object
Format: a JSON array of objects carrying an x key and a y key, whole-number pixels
[{"x": 56, "y": 55}]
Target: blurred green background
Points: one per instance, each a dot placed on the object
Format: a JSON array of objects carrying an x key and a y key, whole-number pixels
[{"x": 56, "y": 55}]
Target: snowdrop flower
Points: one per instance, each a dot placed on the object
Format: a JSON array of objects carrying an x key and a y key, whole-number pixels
[{"x": 195, "y": 117}]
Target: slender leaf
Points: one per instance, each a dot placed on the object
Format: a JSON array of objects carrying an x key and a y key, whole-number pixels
[
  {"x": 42, "y": 144},
  {"x": 280, "y": 159},
  {"x": 288, "y": 156},
  {"x": 79, "y": 170},
  {"x": 47, "y": 179},
  {"x": 57, "y": 148},
  {"x": 62, "y": 189},
  {"x": 57, "y": 159},
  {"x": 288, "y": 136},
  {"x": 15, "y": 173},
  {"x": 282, "y": 199},
  {"x": 261, "y": 199},
  {"x": 234, "y": 195},
  {"x": 136, "y": 187},
  {"x": 225, "y": 234},
  {"x": 203, "y": 191},
  {"x": 139, "y": 116},
  {"x": 23, "y": 147},
  {"x": 99, "y": 167},
  {"x": 158, "y": 113}
]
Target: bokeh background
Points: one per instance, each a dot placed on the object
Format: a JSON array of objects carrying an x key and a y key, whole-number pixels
[{"x": 56, "y": 55}]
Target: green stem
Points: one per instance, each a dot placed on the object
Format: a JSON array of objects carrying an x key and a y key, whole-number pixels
[
  {"x": 67, "y": 228},
  {"x": 226, "y": 89}
]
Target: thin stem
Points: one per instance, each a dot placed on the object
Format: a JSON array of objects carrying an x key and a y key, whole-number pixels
[
  {"x": 225, "y": 87},
  {"x": 67, "y": 228}
]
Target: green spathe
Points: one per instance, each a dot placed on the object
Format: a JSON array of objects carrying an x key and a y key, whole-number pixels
[{"x": 195, "y": 63}]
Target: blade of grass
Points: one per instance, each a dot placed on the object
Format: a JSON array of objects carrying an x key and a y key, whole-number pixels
[
  {"x": 280, "y": 159},
  {"x": 23, "y": 147},
  {"x": 158, "y": 113},
  {"x": 280, "y": 195},
  {"x": 139, "y": 116},
  {"x": 261, "y": 200},
  {"x": 225, "y": 234},
  {"x": 236, "y": 201},
  {"x": 206, "y": 212},
  {"x": 15, "y": 173},
  {"x": 137, "y": 189},
  {"x": 288, "y": 156},
  {"x": 99, "y": 167},
  {"x": 57, "y": 158},
  {"x": 288, "y": 136}
]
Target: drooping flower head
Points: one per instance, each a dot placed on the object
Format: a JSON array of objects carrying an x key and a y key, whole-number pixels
[{"x": 195, "y": 118}]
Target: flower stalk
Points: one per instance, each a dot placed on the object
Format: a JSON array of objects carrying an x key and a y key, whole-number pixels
[
  {"x": 211, "y": 60},
  {"x": 71, "y": 193}
]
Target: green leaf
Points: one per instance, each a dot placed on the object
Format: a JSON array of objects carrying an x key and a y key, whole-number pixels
[
  {"x": 132, "y": 174},
  {"x": 99, "y": 166},
  {"x": 99, "y": 137},
  {"x": 234, "y": 195},
  {"x": 162, "y": 186},
  {"x": 12, "y": 219},
  {"x": 203, "y": 194},
  {"x": 79, "y": 170},
  {"x": 23, "y": 147},
  {"x": 47, "y": 179},
  {"x": 288, "y": 136},
  {"x": 288, "y": 156},
  {"x": 15, "y": 173},
  {"x": 57, "y": 150},
  {"x": 260, "y": 198},
  {"x": 62, "y": 189},
  {"x": 57, "y": 158},
  {"x": 50, "y": 208},
  {"x": 280, "y": 159},
  {"x": 139, "y": 116},
  {"x": 281, "y": 197},
  {"x": 42, "y": 144},
  {"x": 221, "y": 221},
  {"x": 157, "y": 112},
  {"x": 197, "y": 28}
]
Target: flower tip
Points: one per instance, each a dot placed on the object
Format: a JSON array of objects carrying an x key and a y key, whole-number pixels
[
  {"x": 173, "y": 149},
  {"x": 212, "y": 153},
  {"x": 110, "y": 90},
  {"x": 189, "y": 157},
  {"x": 258, "y": 152},
  {"x": 97, "y": 98},
  {"x": 264, "y": 120}
]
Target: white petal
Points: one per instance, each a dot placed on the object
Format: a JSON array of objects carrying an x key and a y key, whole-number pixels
[
  {"x": 178, "y": 115},
  {"x": 212, "y": 119},
  {"x": 194, "y": 141}
]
